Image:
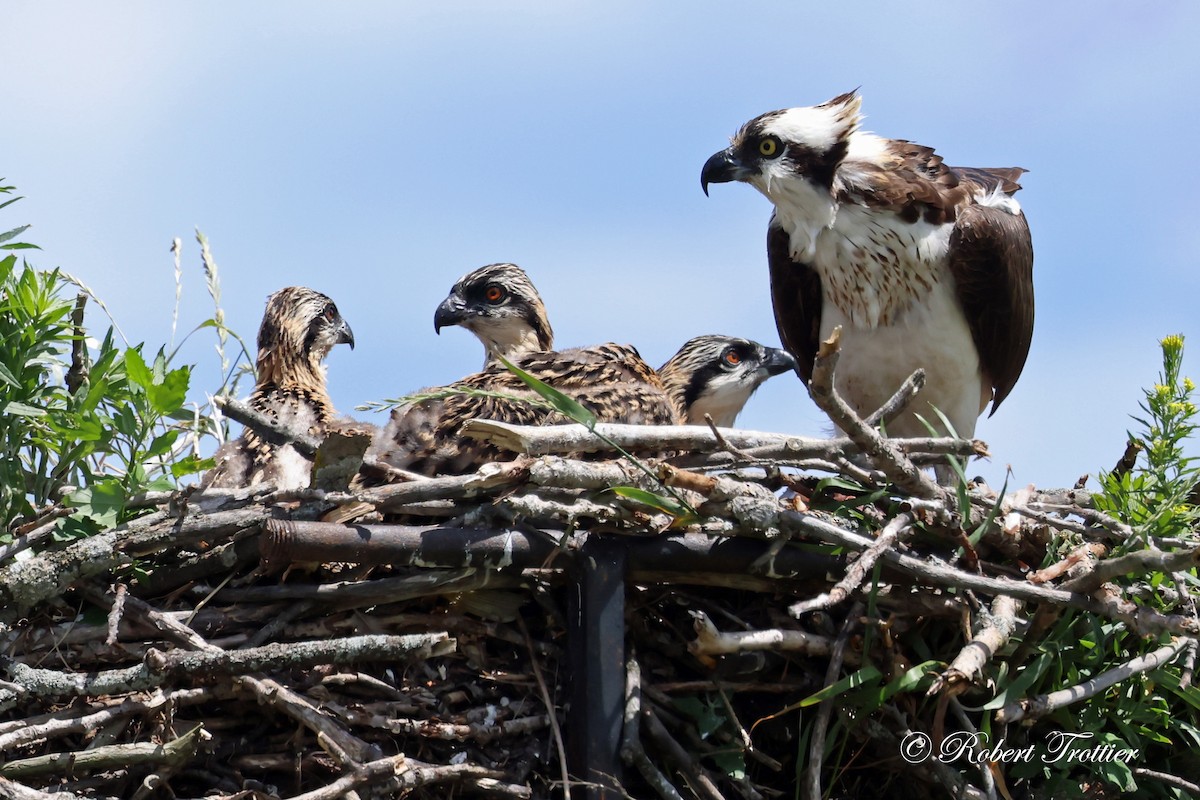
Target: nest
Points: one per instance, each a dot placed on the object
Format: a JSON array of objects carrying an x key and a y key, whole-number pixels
[{"x": 554, "y": 626}]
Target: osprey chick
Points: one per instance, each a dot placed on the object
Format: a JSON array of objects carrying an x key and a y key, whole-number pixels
[
  {"x": 610, "y": 380},
  {"x": 921, "y": 264},
  {"x": 499, "y": 304},
  {"x": 299, "y": 328},
  {"x": 716, "y": 375}
]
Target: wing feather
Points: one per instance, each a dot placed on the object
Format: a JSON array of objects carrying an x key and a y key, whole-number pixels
[
  {"x": 991, "y": 257},
  {"x": 796, "y": 298}
]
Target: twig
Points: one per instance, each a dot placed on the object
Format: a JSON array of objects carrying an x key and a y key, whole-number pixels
[
  {"x": 78, "y": 371},
  {"x": 270, "y": 429},
  {"x": 1040, "y": 706},
  {"x": 1171, "y": 780},
  {"x": 118, "y": 755},
  {"x": 556, "y": 439},
  {"x": 400, "y": 774},
  {"x": 857, "y": 572},
  {"x": 25, "y": 584},
  {"x": 709, "y": 641},
  {"x": 899, "y": 401},
  {"x": 899, "y": 469},
  {"x": 968, "y": 665},
  {"x": 683, "y": 761},
  {"x": 551, "y": 710},
  {"x": 159, "y": 666},
  {"x": 816, "y": 745},
  {"x": 632, "y": 752},
  {"x": 15, "y": 791}
]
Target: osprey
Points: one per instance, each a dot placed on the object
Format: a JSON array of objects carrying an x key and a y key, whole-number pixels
[
  {"x": 715, "y": 375},
  {"x": 611, "y": 380},
  {"x": 299, "y": 328},
  {"x": 499, "y": 304},
  {"x": 921, "y": 264},
  {"x": 712, "y": 375}
]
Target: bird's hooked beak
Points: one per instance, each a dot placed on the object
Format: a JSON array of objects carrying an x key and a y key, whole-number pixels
[
  {"x": 723, "y": 167},
  {"x": 343, "y": 334},
  {"x": 779, "y": 361},
  {"x": 452, "y": 311}
]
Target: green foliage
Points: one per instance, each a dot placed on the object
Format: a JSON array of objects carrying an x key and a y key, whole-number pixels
[
  {"x": 85, "y": 426},
  {"x": 1154, "y": 497},
  {"x": 1151, "y": 713}
]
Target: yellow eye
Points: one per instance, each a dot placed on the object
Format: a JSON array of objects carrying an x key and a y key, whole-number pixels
[
  {"x": 494, "y": 294},
  {"x": 769, "y": 147},
  {"x": 732, "y": 358}
]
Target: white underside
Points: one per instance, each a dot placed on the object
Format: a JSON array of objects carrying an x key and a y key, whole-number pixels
[
  {"x": 887, "y": 284},
  {"x": 932, "y": 336}
]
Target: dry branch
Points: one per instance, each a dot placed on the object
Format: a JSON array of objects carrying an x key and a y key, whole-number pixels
[
  {"x": 1040, "y": 706},
  {"x": 173, "y": 753}
]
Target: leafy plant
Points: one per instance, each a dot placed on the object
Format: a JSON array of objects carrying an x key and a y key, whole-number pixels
[{"x": 86, "y": 426}]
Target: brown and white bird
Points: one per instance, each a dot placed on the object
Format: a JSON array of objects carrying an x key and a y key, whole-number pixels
[
  {"x": 299, "y": 328},
  {"x": 610, "y": 380},
  {"x": 921, "y": 264},
  {"x": 715, "y": 375},
  {"x": 499, "y": 304},
  {"x": 709, "y": 375}
]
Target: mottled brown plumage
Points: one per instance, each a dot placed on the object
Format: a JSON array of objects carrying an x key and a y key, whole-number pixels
[
  {"x": 611, "y": 380},
  {"x": 299, "y": 327},
  {"x": 715, "y": 376},
  {"x": 499, "y": 304}
]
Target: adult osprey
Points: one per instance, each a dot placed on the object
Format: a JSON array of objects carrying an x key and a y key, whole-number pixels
[{"x": 923, "y": 265}]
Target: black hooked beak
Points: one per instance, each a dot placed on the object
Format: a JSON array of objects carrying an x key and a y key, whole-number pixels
[
  {"x": 452, "y": 311},
  {"x": 344, "y": 335},
  {"x": 779, "y": 361},
  {"x": 723, "y": 167}
]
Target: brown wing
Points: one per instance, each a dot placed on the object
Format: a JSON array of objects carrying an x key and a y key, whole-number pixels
[
  {"x": 796, "y": 297},
  {"x": 610, "y": 380},
  {"x": 991, "y": 257}
]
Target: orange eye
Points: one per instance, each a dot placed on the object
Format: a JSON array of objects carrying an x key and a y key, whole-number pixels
[
  {"x": 494, "y": 294},
  {"x": 330, "y": 313},
  {"x": 732, "y": 358}
]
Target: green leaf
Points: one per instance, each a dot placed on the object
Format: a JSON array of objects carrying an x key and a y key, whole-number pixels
[
  {"x": 103, "y": 501},
  {"x": 851, "y": 681},
  {"x": 706, "y": 715},
  {"x": 83, "y": 428},
  {"x": 136, "y": 369},
  {"x": 909, "y": 681},
  {"x": 21, "y": 409},
  {"x": 162, "y": 443},
  {"x": 1016, "y": 689},
  {"x": 191, "y": 465},
  {"x": 4, "y": 237},
  {"x": 682, "y": 514},
  {"x": 732, "y": 762},
  {"x": 169, "y": 394},
  {"x": 19, "y": 246},
  {"x": 566, "y": 406}
]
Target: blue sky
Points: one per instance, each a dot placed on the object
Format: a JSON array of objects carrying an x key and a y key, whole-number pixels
[{"x": 376, "y": 151}]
